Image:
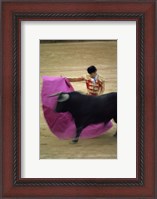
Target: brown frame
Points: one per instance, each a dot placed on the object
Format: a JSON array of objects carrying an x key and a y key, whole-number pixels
[{"x": 143, "y": 12}]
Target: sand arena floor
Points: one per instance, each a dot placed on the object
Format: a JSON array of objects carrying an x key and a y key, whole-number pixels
[{"x": 70, "y": 59}]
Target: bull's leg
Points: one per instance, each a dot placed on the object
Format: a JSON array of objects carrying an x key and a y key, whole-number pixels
[
  {"x": 78, "y": 132},
  {"x": 115, "y": 135},
  {"x": 115, "y": 119}
]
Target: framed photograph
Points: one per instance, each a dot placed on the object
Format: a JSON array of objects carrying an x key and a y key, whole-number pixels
[
  {"x": 63, "y": 62},
  {"x": 55, "y": 56}
]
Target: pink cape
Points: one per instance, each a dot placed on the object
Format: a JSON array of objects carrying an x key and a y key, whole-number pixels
[{"x": 62, "y": 124}]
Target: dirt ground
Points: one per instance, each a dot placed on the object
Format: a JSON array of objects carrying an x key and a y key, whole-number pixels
[{"x": 70, "y": 59}]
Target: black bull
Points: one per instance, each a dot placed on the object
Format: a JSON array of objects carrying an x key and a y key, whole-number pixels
[{"x": 87, "y": 109}]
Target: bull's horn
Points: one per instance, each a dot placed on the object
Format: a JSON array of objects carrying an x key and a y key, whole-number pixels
[
  {"x": 63, "y": 97},
  {"x": 55, "y": 94}
]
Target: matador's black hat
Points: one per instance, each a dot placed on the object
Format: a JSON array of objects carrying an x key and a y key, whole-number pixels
[{"x": 91, "y": 69}]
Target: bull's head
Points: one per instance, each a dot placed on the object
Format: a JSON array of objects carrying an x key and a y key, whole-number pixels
[{"x": 61, "y": 101}]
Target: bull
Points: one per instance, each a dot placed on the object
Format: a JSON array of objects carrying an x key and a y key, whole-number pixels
[{"x": 86, "y": 109}]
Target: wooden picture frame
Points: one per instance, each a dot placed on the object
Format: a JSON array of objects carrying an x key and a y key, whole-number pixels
[{"x": 144, "y": 185}]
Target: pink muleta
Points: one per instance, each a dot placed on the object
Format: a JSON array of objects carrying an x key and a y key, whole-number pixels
[{"x": 62, "y": 124}]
